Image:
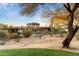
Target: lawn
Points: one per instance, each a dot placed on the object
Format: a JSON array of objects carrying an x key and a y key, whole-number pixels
[{"x": 36, "y": 52}]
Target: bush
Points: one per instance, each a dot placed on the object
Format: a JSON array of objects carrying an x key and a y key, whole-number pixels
[
  {"x": 13, "y": 36},
  {"x": 27, "y": 33},
  {"x": 16, "y": 37},
  {"x": 7, "y": 36},
  {"x": 3, "y": 35},
  {"x": 59, "y": 30}
]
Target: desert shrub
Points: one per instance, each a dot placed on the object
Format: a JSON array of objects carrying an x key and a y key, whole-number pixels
[
  {"x": 19, "y": 36},
  {"x": 7, "y": 36},
  {"x": 3, "y": 35},
  {"x": 13, "y": 36},
  {"x": 59, "y": 30},
  {"x": 3, "y": 38},
  {"x": 27, "y": 33}
]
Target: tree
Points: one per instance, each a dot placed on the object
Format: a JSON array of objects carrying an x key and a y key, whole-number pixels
[
  {"x": 5, "y": 27},
  {"x": 71, "y": 8},
  {"x": 71, "y": 28},
  {"x": 71, "y": 17},
  {"x": 28, "y": 8},
  {"x": 60, "y": 17}
]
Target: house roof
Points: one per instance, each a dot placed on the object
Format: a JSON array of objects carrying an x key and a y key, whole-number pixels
[{"x": 34, "y": 23}]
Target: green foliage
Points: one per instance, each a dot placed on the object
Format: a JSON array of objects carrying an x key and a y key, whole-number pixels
[
  {"x": 58, "y": 30},
  {"x": 27, "y": 33}
]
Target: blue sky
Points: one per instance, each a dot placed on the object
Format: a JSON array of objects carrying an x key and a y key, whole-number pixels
[{"x": 10, "y": 14}]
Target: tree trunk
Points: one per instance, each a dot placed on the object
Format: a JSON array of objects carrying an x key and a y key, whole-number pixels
[
  {"x": 69, "y": 37},
  {"x": 71, "y": 29}
]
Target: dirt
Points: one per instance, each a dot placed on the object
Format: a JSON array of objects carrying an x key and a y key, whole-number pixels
[{"x": 54, "y": 42}]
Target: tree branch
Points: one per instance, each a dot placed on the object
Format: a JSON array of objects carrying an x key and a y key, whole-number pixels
[
  {"x": 75, "y": 7},
  {"x": 67, "y": 7}
]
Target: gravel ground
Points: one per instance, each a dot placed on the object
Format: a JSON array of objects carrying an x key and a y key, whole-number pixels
[{"x": 54, "y": 42}]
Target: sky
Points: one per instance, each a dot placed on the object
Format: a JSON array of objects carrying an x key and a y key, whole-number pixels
[{"x": 10, "y": 14}]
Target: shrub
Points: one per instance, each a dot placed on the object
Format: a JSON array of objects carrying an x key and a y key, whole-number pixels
[
  {"x": 27, "y": 33},
  {"x": 3, "y": 38},
  {"x": 3, "y": 35},
  {"x": 8, "y": 36},
  {"x": 59, "y": 30},
  {"x": 16, "y": 37},
  {"x": 19, "y": 36},
  {"x": 13, "y": 36}
]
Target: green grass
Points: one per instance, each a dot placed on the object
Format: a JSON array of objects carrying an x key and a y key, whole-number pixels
[{"x": 36, "y": 52}]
